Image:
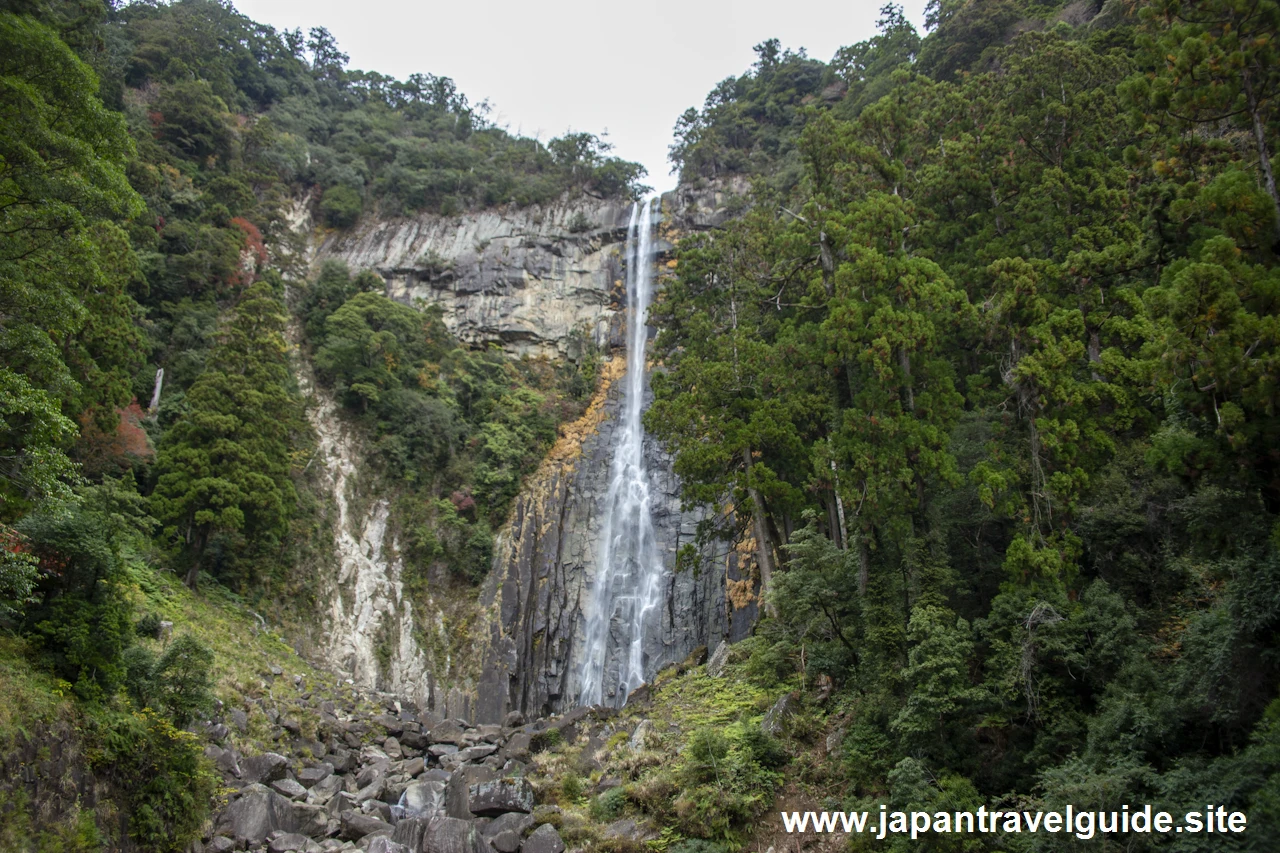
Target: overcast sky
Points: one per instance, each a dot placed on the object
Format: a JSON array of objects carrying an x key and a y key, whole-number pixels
[{"x": 551, "y": 66}]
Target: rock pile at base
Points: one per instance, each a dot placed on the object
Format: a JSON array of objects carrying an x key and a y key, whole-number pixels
[{"x": 395, "y": 782}]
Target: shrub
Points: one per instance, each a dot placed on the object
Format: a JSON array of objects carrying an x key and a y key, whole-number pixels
[
  {"x": 341, "y": 206},
  {"x": 167, "y": 782}
]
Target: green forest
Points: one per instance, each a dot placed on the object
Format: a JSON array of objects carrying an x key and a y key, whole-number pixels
[
  {"x": 985, "y": 369},
  {"x": 989, "y": 370}
]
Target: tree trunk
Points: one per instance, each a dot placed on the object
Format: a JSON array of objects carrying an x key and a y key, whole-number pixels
[
  {"x": 1264, "y": 152},
  {"x": 864, "y": 563},
  {"x": 193, "y": 572}
]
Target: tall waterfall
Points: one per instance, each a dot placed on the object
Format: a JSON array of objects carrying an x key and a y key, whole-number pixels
[{"x": 627, "y": 591}]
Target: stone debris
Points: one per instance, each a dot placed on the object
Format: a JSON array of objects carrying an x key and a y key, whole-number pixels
[{"x": 443, "y": 786}]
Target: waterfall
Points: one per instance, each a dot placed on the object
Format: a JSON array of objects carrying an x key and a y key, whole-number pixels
[{"x": 627, "y": 590}]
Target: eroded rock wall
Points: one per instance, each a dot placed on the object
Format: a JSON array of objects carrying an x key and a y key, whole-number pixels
[{"x": 536, "y": 595}]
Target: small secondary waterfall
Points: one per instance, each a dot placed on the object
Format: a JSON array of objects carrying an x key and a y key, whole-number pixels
[{"x": 627, "y": 591}]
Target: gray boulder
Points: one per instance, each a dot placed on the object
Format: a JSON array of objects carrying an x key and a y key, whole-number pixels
[
  {"x": 642, "y": 733},
  {"x": 292, "y": 842},
  {"x": 310, "y": 819},
  {"x": 511, "y": 794},
  {"x": 544, "y": 839},
  {"x": 458, "y": 789},
  {"x": 448, "y": 732},
  {"x": 383, "y": 844},
  {"x": 255, "y": 814},
  {"x": 517, "y": 822},
  {"x": 310, "y": 776},
  {"x": 290, "y": 788},
  {"x": 356, "y": 825},
  {"x": 775, "y": 721},
  {"x": 265, "y": 768},
  {"x": 719, "y": 659},
  {"x": 450, "y": 835},
  {"x": 505, "y": 842},
  {"x": 422, "y": 799}
]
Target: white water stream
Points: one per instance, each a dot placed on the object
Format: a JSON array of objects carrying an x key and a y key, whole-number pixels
[{"x": 626, "y": 594}]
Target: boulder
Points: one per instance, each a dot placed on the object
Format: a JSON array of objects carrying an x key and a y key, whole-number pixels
[
  {"x": 505, "y": 842},
  {"x": 228, "y": 761},
  {"x": 310, "y": 819},
  {"x": 220, "y": 844},
  {"x": 719, "y": 659},
  {"x": 447, "y": 732},
  {"x": 517, "y": 822},
  {"x": 513, "y": 720},
  {"x": 519, "y": 746},
  {"x": 644, "y": 730},
  {"x": 450, "y": 835},
  {"x": 458, "y": 789},
  {"x": 323, "y": 791},
  {"x": 356, "y": 825},
  {"x": 309, "y": 776},
  {"x": 291, "y": 842},
  {"x": 255, "y": 814},
  {"x": 412, "y": 766},
  {"x": 544, "y": 839},
  {"x": 510, "y": 794},
  {"x": 440, "y": 750},
  {"x": 289, "y": 787},
  {"x": 391, "y": 747},
  {"x": 383, "y": 844},
  {"x": 477, "y": 752},
  {"x": 775, "y": 721},
  {"x": 629, "y": 830},
  {"x": 265, "y": 768},
  {"x": 422, "y": 799}
]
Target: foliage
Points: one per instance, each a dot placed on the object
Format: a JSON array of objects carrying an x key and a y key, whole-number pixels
[
  {"x": 223, "y": 467},
  {"x": 177, "y": 683},
  {"x": 986, "y": 374},
  {"x": 168, "y": 783}
]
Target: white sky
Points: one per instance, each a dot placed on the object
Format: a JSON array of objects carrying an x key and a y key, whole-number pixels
[{"x": 558, "y": 65}]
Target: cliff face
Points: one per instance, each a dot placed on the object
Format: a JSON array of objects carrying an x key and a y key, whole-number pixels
[
  {"x": 535, "y": 281},
  {"x": 546, "y": 560},
  {"x": 529, "y": 278}
]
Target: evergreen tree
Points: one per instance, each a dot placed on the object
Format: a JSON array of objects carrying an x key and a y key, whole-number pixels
[{"x": 223, "y": 467}]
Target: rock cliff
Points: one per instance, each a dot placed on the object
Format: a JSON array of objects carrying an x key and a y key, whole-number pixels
[{"x": 536, "y": 281}]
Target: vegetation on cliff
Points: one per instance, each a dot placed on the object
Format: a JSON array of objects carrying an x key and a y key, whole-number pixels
[{"x": 988, "y": 372}]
